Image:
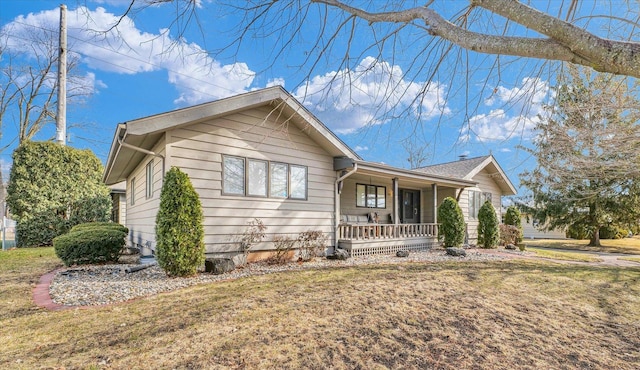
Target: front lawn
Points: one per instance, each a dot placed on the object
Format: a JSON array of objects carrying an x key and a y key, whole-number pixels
[
  {"x": 503, "y": 314},
  {"x": 625, "y": 245},
  {"x": 565, "y": 256}
]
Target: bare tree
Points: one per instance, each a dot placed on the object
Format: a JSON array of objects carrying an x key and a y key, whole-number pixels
[
  {"x": 434, "y": 41},
  {"x": 417, "y": 155},
  {"x": 28, "y": 83}
]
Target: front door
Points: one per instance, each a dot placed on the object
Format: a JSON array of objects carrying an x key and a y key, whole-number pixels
[{"x": 409, "y": 206}]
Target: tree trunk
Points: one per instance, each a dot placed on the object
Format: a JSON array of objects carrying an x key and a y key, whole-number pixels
[{"x": 595, "y": 239}]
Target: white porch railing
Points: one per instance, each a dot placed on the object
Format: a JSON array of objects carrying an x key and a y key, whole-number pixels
[{"x": 386, "y": 231}]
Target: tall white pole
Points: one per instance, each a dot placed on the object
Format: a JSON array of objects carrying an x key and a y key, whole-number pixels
[{"x": 61, "y": 118}]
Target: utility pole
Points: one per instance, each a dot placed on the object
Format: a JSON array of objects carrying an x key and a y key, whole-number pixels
[{"x": 61, "y": 118}]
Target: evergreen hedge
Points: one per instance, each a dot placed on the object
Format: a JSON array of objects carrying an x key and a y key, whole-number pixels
[
  {"x": 179, "y": 230},
  {"x": 488, "y": 226},
  {"x": 52, "y": 188},
  {"x": 452, "y": 227}
]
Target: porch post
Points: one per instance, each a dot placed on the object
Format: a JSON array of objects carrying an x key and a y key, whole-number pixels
[
  {"x": 434, "y": 189},
  {"x": 396, "y": 214}
]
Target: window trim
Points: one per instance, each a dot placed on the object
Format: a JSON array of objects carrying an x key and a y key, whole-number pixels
[
  {"x": 248, "y": 178},
  {"x": 149, "y": 177},
  {"x": 375, "y": 198},
  {"x": 474, "y": 207},
  {"x": 286, "y": 178},
  {"x": 306, "y": 182},
  {"x": 133, "y": 191},
  {"x": 244, "y": 176}
]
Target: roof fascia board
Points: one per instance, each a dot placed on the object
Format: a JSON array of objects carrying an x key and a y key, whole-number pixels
[
  {"x": 393, "y": 171},
  {"x": 168, "y": 120},
  {"x": 491, "y": 160}
]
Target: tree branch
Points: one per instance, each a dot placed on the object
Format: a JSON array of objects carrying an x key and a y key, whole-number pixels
[{"x": 566, "y": 43}]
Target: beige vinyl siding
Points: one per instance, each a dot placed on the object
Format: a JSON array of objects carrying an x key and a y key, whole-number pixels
[
  {"x": 530, "y": 232},
  {"x": 198, "y": 150},
  {"x": 141, "y": 216},
  {"x": 485, "y": 184},
  {"x": 428, "y": 208}
]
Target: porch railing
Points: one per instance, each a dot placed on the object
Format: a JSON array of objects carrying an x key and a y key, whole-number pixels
[{"x": 386, "y": 231}]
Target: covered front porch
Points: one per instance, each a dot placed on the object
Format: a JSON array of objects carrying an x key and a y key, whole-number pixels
[{"x": 381, "y": 209}]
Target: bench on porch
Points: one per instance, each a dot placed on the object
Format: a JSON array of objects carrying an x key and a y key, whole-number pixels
[{"x": 365, "y": 226}]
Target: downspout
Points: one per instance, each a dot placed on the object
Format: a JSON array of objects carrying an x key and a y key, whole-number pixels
[
  {"x": 337, "y": 193},
  {"x": 141, "y": 150}
]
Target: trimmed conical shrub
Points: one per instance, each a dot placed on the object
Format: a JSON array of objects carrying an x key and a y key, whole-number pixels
[
  {"x": 451, "y": 223},
  {"x": 488, "y": 227},
  {"x": 179, "y": 230}
]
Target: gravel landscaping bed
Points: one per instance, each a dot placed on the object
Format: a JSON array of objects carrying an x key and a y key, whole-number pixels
[{"x": 98, "y": 285}]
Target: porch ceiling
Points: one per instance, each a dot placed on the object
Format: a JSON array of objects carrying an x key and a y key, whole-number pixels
[{"x": 410, "y": 177}]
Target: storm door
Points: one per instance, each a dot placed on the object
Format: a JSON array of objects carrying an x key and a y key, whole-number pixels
[{"x": 409, "y": 206}]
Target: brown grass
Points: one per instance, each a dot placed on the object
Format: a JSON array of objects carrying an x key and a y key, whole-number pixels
[
  {"x": 508, "y": 314},
  {"x": 562, "y": 255},
  {"x": 626, "y": 245}
]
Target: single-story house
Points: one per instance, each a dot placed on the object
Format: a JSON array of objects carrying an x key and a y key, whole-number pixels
[
  {"x": 531, "y": 229},
  {"x": 263, "y": 155}
]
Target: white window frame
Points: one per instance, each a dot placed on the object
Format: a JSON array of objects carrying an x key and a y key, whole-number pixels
[
  {"x": 133, "y": 191},
  {"x": 149, "y": 183}
]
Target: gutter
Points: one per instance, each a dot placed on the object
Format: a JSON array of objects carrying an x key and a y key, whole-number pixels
[
  {"x": 337, "y": 192},
  {"x": 145, "y": 151}
]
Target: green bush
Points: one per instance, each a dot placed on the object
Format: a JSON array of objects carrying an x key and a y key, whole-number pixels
[
  {"x": 52, "y": 188},
  {"x": 578, "y": 231},
  {"x": 100, "y": 225},
  {"x": 613, "y": 232},
  {"x": 451, "y": 220},
  {"x": 488, "y": 227},
  {"x": 97, "y": 245},
  {"x": 179, "y": 230},
  {"x": 40, "y": 230},
  {"x": 514, "y": 218}
]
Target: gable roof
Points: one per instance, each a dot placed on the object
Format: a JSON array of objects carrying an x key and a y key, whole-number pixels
[
  {"x": 466, "y": 169},
  {"x": 144, "y": 133}
]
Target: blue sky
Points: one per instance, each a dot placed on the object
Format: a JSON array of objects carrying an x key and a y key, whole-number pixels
[{"x": 133, "y": 73}]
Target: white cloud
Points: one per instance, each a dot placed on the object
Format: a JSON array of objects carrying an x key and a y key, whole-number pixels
[
  {"x": 275, "y": 82},
  {"x": 504, "y": 150},
  {"x": 526, "y": 101},
  {"x": 347, "y": 100},
  {"x": 128, "y": 50},
  {"x": 359, "y": 148}
]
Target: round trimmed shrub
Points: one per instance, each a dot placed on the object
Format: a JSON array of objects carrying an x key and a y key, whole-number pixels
[
  {"x": 451, "y": 220},
  {"x": 179, "y": 230},
  {"x": 98, "y": 245},
  {"x": 100, "y": 225},
  {"x": 488, "y": 229}
]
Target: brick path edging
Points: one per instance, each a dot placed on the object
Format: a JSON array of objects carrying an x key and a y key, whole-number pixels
[{"x": 41, "y": 295}]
